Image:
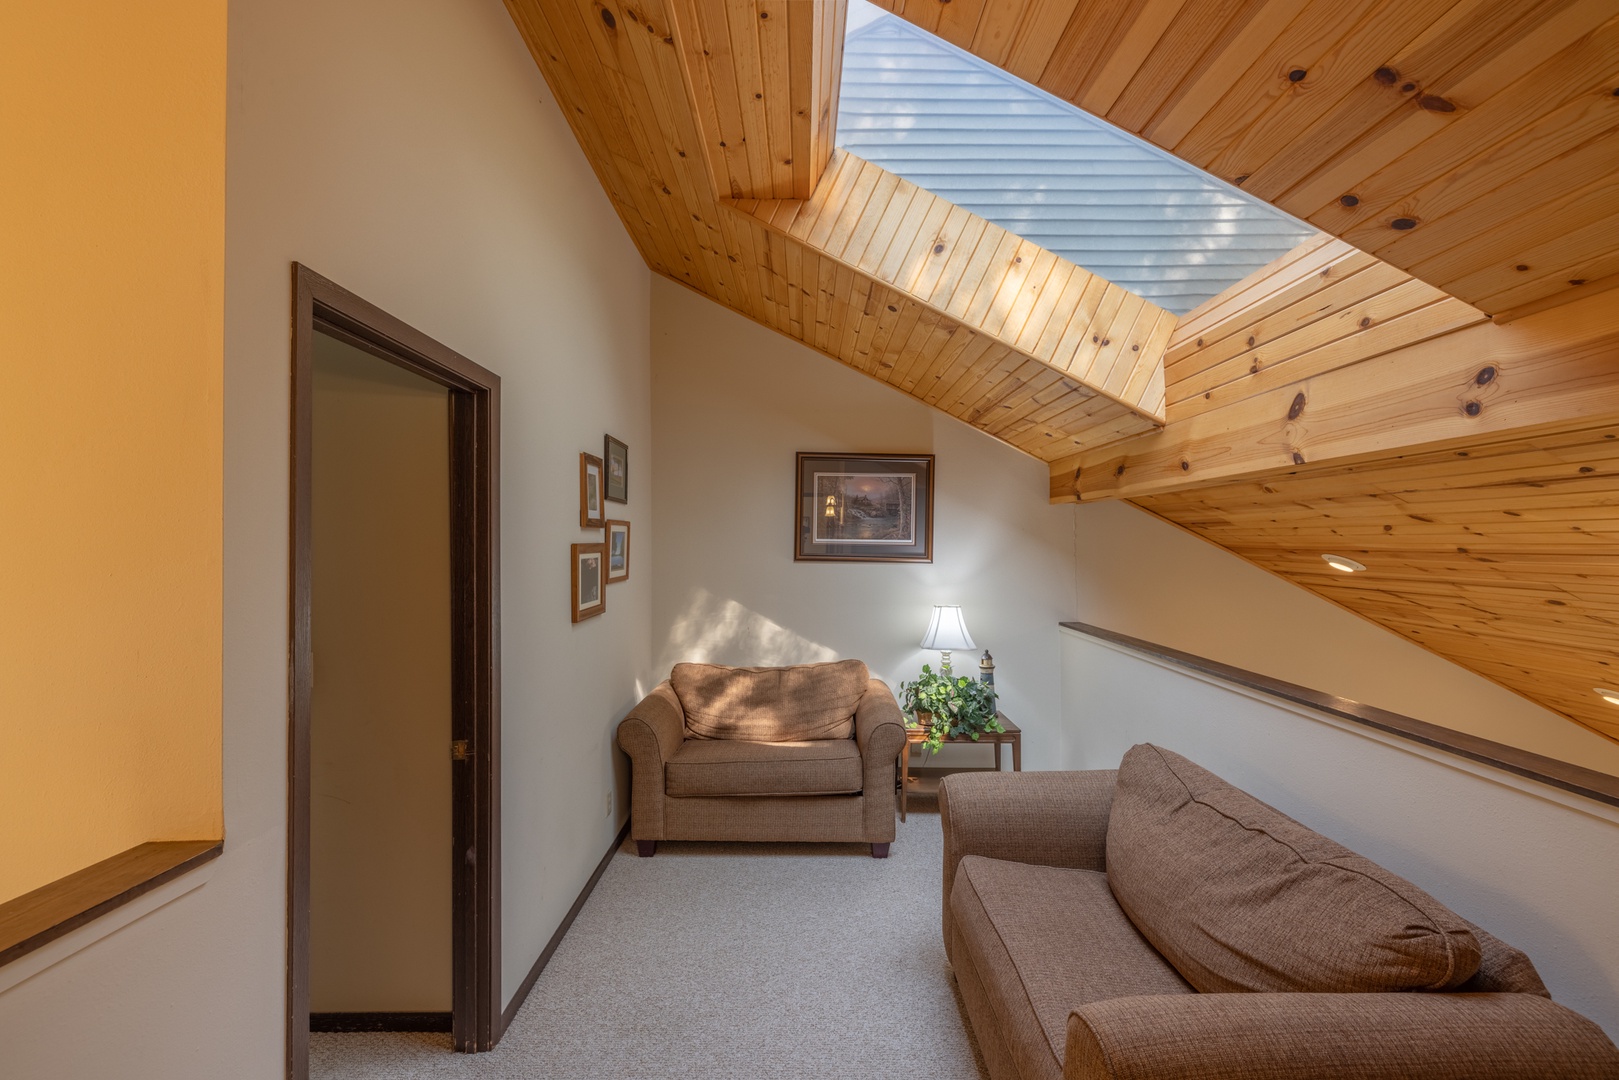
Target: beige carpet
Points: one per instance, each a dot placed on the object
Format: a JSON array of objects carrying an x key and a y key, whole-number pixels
[{"x": 744, "y": 961}]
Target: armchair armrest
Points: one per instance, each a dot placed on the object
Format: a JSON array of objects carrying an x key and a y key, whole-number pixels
[
  {"x": 1335, "y": 1037},
  {"x": 1045, "y": 818},
  {"x": 879, "y": 732},
  {"x": 650, "y": 734}
]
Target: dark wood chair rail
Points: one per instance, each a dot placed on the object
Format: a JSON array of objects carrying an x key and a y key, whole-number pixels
[
  {"x": 1575, "y": 778},
  {"x": 36, "y": 918}
]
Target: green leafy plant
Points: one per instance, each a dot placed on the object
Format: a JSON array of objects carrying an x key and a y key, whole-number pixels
[{"x": 948, "y": 707}]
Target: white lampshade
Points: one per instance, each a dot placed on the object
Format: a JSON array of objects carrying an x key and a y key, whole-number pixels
[{"x": 947, "y": 630}]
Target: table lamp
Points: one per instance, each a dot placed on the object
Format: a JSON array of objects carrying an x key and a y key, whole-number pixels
[{"x": 947, "y": 631}]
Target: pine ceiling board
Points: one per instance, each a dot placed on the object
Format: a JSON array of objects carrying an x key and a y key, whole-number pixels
[
  {"x": 988, "y": 279},
  {"x": 1379, "y": 121},
  {"x": 1525, "y": 600},
  {"x": 653, "y": 91},
  {"x": 1555, "y": 367}
]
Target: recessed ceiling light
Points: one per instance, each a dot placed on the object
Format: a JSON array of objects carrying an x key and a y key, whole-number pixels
[
  {"x": 1338, "y": 562},
  {"x": 1610, "y": 696}
]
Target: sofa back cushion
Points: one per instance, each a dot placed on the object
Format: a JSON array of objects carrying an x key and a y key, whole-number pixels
[
  {"x": 1238, "y": 896},
  {"x": 770, "y": 704}
]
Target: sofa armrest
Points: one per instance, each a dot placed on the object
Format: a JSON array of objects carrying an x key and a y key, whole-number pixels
[
  {"x": 1046, "y": 818},
  {"x": 650, "y": 735},
  {"x": 879, "y": 732},
  {"x": 879, "y": 726},
  {"x": 1335, "y": 1037}
]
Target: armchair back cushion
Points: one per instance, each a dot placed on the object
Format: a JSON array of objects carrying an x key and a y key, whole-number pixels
[
  {"x": 770, "y": 704},
  {"x": 1239, "y": 896}
]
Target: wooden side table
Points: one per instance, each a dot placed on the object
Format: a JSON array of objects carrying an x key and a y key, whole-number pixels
[{"x": 1013, "y": 735}]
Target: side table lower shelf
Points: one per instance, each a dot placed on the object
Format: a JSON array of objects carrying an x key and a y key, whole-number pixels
[{"x": 1013, "y": 736}]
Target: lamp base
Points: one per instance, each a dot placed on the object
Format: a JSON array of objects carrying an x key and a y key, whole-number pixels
[{"x": 944, "y": 662}]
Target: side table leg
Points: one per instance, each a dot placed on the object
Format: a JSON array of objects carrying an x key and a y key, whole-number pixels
[
  {"x": 997, "y": 753},
  {"x": 1017, "y": 752},
  {"x": 904, "y": 777}
]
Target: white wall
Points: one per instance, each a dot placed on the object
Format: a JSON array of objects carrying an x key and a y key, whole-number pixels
[
  {"x": 417, "y": 158},
  {"x": 1141, "y": 576},
  {"x": 380, "y": 926},
  {"x": 1532, "y": 864},
  {"x": 732, "y": 403}
]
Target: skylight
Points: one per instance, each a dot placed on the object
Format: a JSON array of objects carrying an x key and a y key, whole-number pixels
[{"x": 1032, "y": 163}]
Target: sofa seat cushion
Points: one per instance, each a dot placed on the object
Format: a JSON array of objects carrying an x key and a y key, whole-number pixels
[
  {"x": 1043, "y": 941},
  {"x": 770, "y": 704},
  {"x": 1239, "y": 896},
  {"x": 729, "y": 767}
]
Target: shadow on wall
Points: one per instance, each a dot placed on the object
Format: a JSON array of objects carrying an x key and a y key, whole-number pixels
[{"x": 713, "y": 630}]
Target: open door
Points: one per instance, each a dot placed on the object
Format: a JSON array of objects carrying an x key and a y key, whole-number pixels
[{"x": 464, "y": 398}]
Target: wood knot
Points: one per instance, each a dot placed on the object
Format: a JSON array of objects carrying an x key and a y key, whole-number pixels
[
  {"x": 938, "y": 249},
  {"x": 1386, "y": 75},
  {"x": 1349, "y": 200},
  {"x": 1557, "y": 603},
  {"x": 758, "y": 97},
  {"x": 1295, "y": 410},
  {"x": 764, "y": 14},
  {"x": 1435, "y": 103},
  {"x": 1120, "y": 470},
  {"x": 1365, "y": 322},
  {"x": 1485, "y": 376},
  {"x": 1404, "y": 223},
  {"x": 1588, "y": 468},
  {"x": 1135, "y": 348},
  {"x": 607, "y": 17},
  {"x": 1472, "y": 408},
  {"x": 1297, "y": 75},
  {"x": 1250, "y": 341},
  {"x": 1298, "y": 458},
  {"x": 1576, "y": 281},
  {"x": 1239, "y": 181},
  {"x": 1521, "y": 267},
  {"x": 1186, "y": 466},
  {"x": 1200, "y": 343},
  {"x": 1107, "y": 341},
  {"x": 891, "y": 307}
]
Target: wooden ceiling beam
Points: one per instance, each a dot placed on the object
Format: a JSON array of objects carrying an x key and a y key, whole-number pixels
[{"x": 1471, "y": 384}]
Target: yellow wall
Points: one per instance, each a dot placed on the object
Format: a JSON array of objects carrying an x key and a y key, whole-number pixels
[{"x": 112, "y": 118}]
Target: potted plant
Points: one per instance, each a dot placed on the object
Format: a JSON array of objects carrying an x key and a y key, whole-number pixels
[{"x": 948, "y": 706}]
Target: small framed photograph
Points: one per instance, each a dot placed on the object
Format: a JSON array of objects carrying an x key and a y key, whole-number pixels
[
  {"x": 617, "y": 457},
  {"x": 618, "y": 550},
  {"x": 591, "y": 513},
  {"x": 865, "y": 508},
  {"x": 589, "y": 573}
]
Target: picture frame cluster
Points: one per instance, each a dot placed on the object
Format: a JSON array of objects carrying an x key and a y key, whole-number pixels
[{"x": 594, "y": 566}]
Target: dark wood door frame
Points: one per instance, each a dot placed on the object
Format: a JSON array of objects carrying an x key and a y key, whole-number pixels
[{"x": 319, "y": 304}]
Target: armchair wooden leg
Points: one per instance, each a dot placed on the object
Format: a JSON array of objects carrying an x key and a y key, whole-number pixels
[
  {"x": 879, "y": 851},
  {"x": 646, "y": 848}
]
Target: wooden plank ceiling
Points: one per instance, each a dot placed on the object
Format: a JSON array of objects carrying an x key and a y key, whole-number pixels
[
  {"x": 1503, "y": 557},
  {"x": 709, "y": 126},
  {"x": 1355, "y": 397},
  {"x": 1471, "y": 143}
]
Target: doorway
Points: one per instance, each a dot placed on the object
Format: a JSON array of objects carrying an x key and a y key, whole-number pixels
[{"x": 385, "y": 385}]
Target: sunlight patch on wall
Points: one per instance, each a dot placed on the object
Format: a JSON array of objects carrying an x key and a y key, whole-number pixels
[{"x": 713, "y": 630}]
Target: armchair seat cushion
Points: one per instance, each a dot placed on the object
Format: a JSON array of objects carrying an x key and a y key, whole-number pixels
[
  {"x": 706, "y": 767},
  {"x": 1044, "y": 941},
  {"x": 770, "y": 704}
]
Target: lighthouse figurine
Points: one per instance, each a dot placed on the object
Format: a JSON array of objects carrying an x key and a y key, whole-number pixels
[{"x": 986, "y": 669}]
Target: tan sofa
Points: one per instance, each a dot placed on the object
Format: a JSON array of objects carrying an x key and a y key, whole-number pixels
[
  {"x": 1156, "y": 923},
  {"x": 790, "y": 753}
]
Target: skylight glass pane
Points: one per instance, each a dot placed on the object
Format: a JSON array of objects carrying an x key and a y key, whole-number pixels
[{"x": 1032, "y": 163}]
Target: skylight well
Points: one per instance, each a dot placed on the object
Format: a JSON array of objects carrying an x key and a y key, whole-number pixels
[{"x": 1032, "y": 163}]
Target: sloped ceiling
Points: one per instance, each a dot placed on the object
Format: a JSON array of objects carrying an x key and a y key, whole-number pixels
[
  {"x": 1469, "y": 142},
  {"x": 1354, "y": 397}
]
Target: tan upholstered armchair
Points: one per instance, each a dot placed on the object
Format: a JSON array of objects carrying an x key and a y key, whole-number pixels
[{"x": 792, "y": 753}]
